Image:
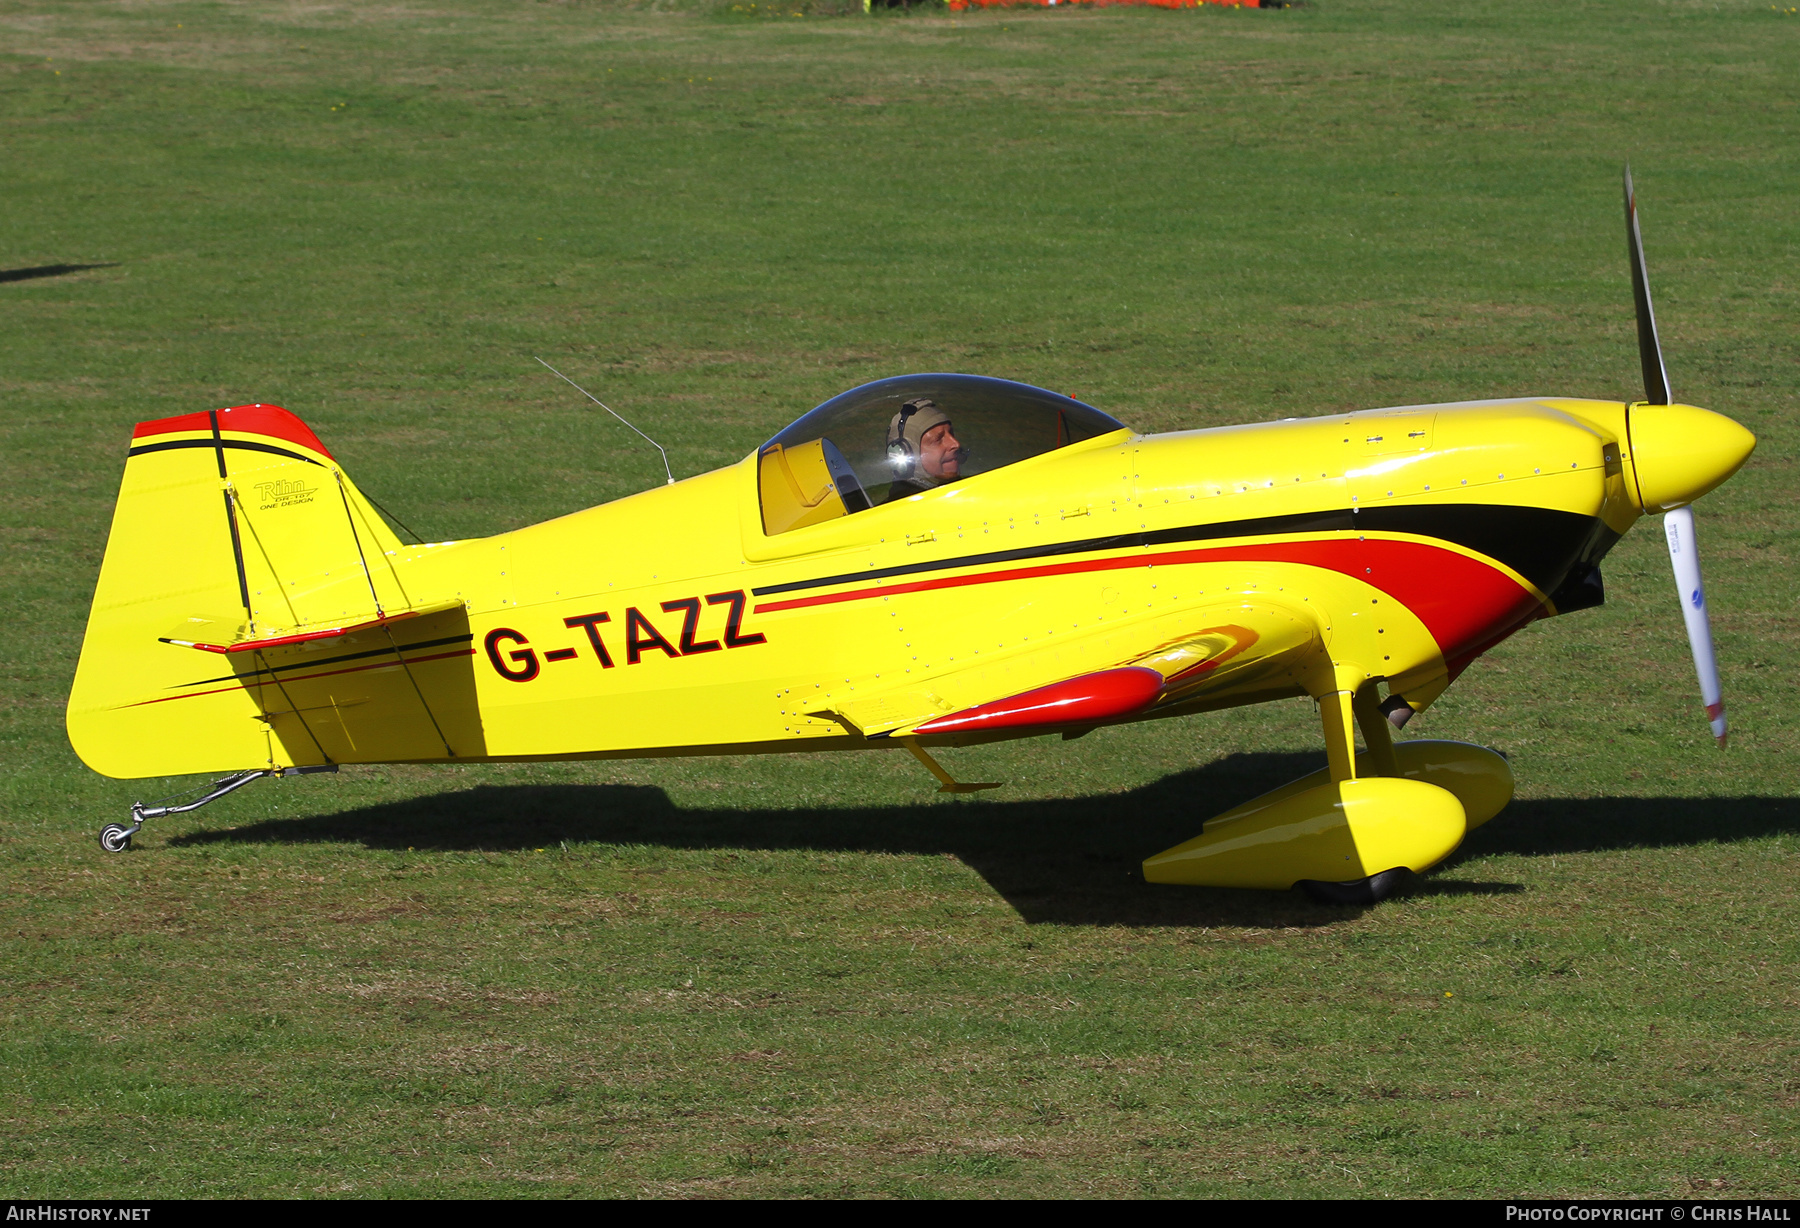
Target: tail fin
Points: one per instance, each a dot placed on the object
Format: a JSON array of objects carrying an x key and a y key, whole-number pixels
[{"x": 237, "y": 533}]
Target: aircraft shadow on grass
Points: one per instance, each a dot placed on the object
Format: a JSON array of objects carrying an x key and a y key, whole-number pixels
[
  {"x": 1071, "y": 861},
  {"x": 51, "y": 270}
]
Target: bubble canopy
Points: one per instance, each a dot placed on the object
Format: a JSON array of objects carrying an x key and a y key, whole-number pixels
[{"x": 844, "y": 442}]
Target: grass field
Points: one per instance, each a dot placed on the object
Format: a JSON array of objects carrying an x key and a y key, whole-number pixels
[{"x": 807, "y": 975}]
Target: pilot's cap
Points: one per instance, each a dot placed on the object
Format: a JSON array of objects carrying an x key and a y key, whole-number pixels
[{"x": 915, "y": 418}]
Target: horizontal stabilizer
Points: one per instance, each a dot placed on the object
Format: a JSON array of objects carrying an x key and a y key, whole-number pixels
[{"x": 257, "y": 643}]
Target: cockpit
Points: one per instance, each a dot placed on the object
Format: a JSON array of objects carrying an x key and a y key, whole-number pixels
[{"x": 906, "y": 435}]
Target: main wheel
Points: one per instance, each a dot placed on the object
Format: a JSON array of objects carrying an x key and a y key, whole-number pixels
[
  {"x": 115, "y": 838},
  {"x": 1357, "y": 891}
]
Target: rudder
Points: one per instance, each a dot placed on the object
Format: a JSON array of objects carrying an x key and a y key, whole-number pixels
[{"x": 237, "y": 533}]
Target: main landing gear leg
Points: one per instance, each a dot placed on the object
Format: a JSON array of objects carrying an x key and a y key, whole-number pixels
[
  {"x": 1378, "y": 734},
  {"x": 116, "y": 837},
  {"x": 1344, "y": 711}
]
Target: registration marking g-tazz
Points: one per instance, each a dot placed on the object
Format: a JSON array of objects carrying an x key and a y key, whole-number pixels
[{"x": 509, "y": 650}]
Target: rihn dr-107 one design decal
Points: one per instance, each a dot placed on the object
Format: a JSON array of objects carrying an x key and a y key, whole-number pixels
[{"x": 922, "y": 562}]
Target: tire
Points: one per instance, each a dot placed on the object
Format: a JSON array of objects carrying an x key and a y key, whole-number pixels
[
  {"x": 115, "y": 838},
  {"x": 1370, "y": 890}
]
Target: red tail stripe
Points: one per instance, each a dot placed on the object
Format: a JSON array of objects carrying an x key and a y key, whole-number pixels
[{"x": 270, "y": 420}]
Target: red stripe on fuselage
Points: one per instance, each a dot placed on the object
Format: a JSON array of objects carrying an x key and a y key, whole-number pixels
[
  {"x": 270, "y": 420},
  {"x": 1462, "y": 601},
  {"x": 1465, "y": 604}
]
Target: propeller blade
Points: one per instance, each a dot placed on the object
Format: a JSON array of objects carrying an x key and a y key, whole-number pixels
[
  {"x": 1684, "y": 555},
  {"x": 1678, "y": 524},
  {"x": 1656, "y": 376}
]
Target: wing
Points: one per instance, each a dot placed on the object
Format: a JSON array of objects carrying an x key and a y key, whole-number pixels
[{"x": 1215, "y": 656}]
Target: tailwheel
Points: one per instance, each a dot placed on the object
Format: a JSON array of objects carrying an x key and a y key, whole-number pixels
[
  {"x": 116, "y": 837},
  {"x": 1368, "y": 890}
]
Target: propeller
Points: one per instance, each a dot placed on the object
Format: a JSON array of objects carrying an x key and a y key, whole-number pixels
[{"x": 1678, "y": 522}]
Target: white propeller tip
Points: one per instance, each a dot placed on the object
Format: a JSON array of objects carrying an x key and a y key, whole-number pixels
[{"x": 1684, "y": 556}]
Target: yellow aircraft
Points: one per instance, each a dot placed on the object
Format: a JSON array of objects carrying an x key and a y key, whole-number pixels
[{"x": 925, "y": 561}]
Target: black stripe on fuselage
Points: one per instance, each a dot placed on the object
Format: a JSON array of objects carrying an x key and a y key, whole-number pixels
[
  {"x": 349, "y": 656},
  {"x": 241, "y": 444},
  {"x": 1538, "y": 543}
]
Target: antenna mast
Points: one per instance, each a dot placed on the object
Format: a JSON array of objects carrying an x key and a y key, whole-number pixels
[{"x": 615, "y": 413}]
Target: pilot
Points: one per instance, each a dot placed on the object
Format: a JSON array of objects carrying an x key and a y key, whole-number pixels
[{"x": 923, "y": 449}]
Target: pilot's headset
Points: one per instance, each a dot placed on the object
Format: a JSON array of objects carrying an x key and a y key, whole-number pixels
[{"x": 908, "y": 426}]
